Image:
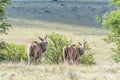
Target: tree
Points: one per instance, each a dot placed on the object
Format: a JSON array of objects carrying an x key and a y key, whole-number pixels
[
  {"x": 111, "y": 21},
  {"x": 3, "y": 24},
  {"x": 3, "y": 21}
]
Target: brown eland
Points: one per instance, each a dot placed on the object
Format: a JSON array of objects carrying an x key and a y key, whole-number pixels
[
  {"x": 72, "y": 52},
  {"x": 36, "y": 49}
]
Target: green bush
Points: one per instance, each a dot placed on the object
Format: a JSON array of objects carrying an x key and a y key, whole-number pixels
[
  {"x": 54, "y": 48},
  {"x": 87, "y": 57},
  {"x": 2, "y": 56},
  {"x": 14, "y": 52},
  {"x": 116, "y": 55},
  {"x": 2, "y": 46},
  {"x": 111, "y": 21}
]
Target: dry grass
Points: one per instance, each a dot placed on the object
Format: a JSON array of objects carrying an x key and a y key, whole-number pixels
[
  {"x": 10, "y": 71},
  {"x": 105, "y": 69}
]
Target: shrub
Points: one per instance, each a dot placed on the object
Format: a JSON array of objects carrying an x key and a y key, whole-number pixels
[
  {"x": 2, "y": 56},
  {"x": 87, "y": 57},
  {"x": 14, "y": 52},
  {"x": 116, "y": 55},
  {"x": 2, "y": 46},
  {"x": 47, "y": 11},
  {"x": 111, "y": 21},
  {"x": 54, "y": 48},
  {"x": 75, "y": 9}
]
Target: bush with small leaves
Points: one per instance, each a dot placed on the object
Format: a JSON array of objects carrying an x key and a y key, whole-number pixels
[
  {"x": 87, "y": 57},
  {"x": 111, "y": 21},
  {"x": 54, "y": 48},
  {"x": 14, "y": 52}
]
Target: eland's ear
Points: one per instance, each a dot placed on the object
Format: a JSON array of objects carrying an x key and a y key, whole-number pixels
[
  {"x": 79, "y": 43},
  {"x": 40, "y": 38},
  {"x": 85, "y": 42},
  {"x": 45, "y": 36}
]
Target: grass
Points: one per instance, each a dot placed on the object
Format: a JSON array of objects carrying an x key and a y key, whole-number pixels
[
  {"x": 105, "y": 69},
  {"x": 57, "y": 72},
  {"x": 33, "y": 27}
]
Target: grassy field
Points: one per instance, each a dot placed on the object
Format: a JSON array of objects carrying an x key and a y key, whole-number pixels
[
  {"x": 105, "y": 69},
  {"x": 21, "y": 71}
]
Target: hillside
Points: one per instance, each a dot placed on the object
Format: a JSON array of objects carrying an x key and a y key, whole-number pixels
[
  {"x": 66, "y": 0},
  {"x": 81, "y": 13}
]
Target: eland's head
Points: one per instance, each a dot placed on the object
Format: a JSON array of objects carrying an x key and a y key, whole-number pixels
[
  {"x": 43, "y": 42},
  {"x": 82, "y": 46}
]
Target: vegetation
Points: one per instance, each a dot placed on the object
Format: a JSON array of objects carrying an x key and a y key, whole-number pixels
[
  {"x": 80, "y": 12},
  {"x": 55, "y": 0},
  {"x": 13, "y": 52},
  {"x": 54, "y": 48},
  {"x": 2, "y": 46},
  {"x": 3, "y": 22},
  {"x": 111, "y": 21},
  {"x": 19, "y": 71},
  {"x": 87, "y": 58}
]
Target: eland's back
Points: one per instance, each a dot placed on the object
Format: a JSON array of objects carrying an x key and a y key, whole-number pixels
[
  {"x": 35, "y": 50},
  {"x": 72, "y": 52}
]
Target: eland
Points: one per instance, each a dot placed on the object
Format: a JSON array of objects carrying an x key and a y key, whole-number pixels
[
  {"x": 72, "y": 52},
  {"x": 36, "y": 49}
]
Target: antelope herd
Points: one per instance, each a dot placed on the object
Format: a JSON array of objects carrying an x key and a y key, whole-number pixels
[{"x": 71, "y": 53}]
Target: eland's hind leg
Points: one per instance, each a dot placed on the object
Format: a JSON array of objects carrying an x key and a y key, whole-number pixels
[{"x": 29, "y": 60}]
